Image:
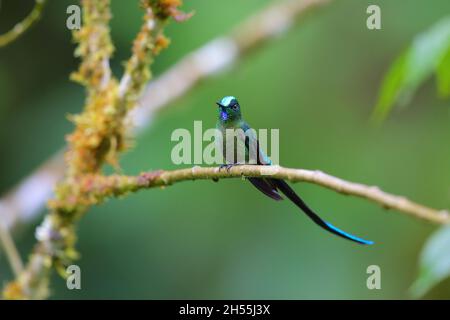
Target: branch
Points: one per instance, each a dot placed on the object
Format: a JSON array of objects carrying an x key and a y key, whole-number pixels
[
  {"x": 97, "y": 188},
  {"x": 27, "y": 199},
  {"x": 97, "y": 129},
  {"x": 148, "y": 43},
  {"x": 219, "y": 54},
  {"x": 206, "y": 61},
  {"x": 11, "y": 251},
  {"x": 98, "y": 136},
  {"x": 21, "y": 27}
]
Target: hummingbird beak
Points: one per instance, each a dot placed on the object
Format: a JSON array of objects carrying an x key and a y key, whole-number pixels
[
  {"x": 222, "y": 107},
  {"x": 223, "y": 113}
]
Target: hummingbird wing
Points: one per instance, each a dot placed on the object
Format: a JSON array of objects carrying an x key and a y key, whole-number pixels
[
  {"x": 270, "y": 187},
  {"x": 254, "y": 151},
  {"x": 265, "y": 187}
]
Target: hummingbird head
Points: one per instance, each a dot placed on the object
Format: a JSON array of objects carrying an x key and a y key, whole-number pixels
[{"x": 229, "y": 109}]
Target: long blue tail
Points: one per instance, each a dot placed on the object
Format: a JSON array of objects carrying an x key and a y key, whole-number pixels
[{"x": 286, "y": 189}]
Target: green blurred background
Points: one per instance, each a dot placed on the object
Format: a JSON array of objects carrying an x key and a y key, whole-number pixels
[{"x": 317, "y": 83}]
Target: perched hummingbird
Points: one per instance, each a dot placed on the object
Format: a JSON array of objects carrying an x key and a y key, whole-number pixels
[{"x": 230, "y": 118}]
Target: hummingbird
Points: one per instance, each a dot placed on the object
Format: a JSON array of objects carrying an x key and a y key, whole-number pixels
[{"x": 246, "y": 146}]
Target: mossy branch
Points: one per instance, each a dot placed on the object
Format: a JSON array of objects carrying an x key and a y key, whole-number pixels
[
  {"x": 98, "y": 137},
  {"x": 95, "y": 188},
  {"x": 148, "y": 43},
  {"x": 97, "y": 133},
  {"x": 11, "y": 251},
  {"x": 23, "y": 26}
]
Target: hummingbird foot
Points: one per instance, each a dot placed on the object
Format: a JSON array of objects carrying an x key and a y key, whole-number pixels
[{"x": 229, "y": 166}]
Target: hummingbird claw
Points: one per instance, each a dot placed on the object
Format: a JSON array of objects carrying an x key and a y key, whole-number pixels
[
  {"x": 225, "y": 166},
  {"x": 228, "y": 166}
]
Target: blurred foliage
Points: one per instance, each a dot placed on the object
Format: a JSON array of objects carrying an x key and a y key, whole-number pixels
[
  {"x": 434, "y": 262},
  {"x": 225, "y": 240},
  {"x": 428, "y": 54},
  {"x": 443, "y": 75},
  {"x": 23, "y": 26}
]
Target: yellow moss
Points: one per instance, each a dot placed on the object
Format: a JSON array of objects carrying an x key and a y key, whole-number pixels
[
  {"x": 98, "y": 137},
  {"x": 13, "y": 291},
  {"x": 161, "y": 43}
]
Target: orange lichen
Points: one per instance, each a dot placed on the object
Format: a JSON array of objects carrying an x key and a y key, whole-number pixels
[
  {"x": 161, "y": 43},
  {"x": 169, "y": 8},
  {"x": 13, "y": 291}
]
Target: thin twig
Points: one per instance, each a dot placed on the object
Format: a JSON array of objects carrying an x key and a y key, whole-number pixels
[
  {"x": 21, "y": 27},
  {"x": 11, "y": 251},
  {"x": 27, "y": 199},
  {"x": 219, "y": 54}
]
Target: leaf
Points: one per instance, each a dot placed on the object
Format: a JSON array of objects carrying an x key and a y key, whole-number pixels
[
  {"x": 391, "y": 87},
  {"x": 426, "y": 55},
  {"x": 434, "y": 262},
  {"x": 427, "y": 51},
  {"x": 443, "y": 76}
]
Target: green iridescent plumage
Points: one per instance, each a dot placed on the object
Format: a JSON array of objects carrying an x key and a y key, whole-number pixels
[{"x": 239, "y": 145}]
